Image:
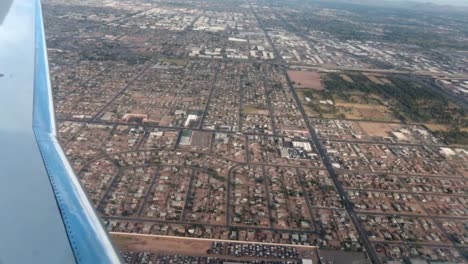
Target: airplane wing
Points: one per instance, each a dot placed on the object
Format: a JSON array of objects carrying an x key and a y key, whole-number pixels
[{"x": 46, "y": 216}]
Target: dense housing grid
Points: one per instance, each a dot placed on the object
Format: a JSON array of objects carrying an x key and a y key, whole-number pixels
[{"x": 266, "y": 130}]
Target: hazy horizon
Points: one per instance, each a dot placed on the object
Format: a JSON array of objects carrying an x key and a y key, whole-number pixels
[{"x": 442, "y": 2}]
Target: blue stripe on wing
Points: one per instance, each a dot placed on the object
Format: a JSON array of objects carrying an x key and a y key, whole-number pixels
[{"x": 88, "y": 238}]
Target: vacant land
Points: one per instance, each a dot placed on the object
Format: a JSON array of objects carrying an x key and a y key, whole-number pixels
[
  {"x": 409, "y": 99},
  {"x": 374, "y": 79},
  {"x": 201, "y": 139},
  {"x": 306, "y": 80},
  {"x": 377, "y": 129},
  {"x": 341, "y": 257},
  {"x": 255, "y": 110},
  {"x": 346, "y": 78},
  {"x": 193, "y": 246},
  {"x": 449, "y": 135},
  {"x": 354, "y": 105},
  {"x": 375, "y": 97},
  {"x": 162, "y": 244},
  {"x": 364, "y": 112}
]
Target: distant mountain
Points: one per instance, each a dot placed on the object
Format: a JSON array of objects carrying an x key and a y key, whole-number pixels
[
  {"x": 447, "y": 2},
  {"x": 439, "y": 5},
  {"x": 434, "y": 4}
]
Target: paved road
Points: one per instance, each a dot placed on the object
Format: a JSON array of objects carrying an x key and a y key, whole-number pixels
[
  {"x": 228, "y": 194},
  {"x": 110, "y": 123},
  {"x": 121, "y": 91},
  {"x": 308, "y": 198},
  {"x": 266, "y": 182},
  {"x": 403, "y": 174},
  {"x": 148, "y": 192},
  {"x": 188, "y": 195},
  {"x": 82, "y": 84},
  {"x": 152, "y": 220},
  {"x": 315, "y": 139},
  {"x": 408, "y": 192},
  {"x": 212, "y": 89},
  {"x": 344, "y": 196},
  {"x": 398, "y": 214},
  {"x": 94, "y": 26},
  {"x": 383, "y": 143},
  {"x": 127, "y": 86},
  {"x": 419, "y": 244},
  {"x": 100, "y": 204},
  {"x": 268, "y": 89},
  {"x": 321, "y": 151}
]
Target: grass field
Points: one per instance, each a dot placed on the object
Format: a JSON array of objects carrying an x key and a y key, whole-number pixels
[
  {"x": 358, "y": 98},
  {"x": 310, "y": 111},
  {"x": 442, "y": 127},
  {"x": 365, "y": 112},
  {"x": 174, "y": 61},
  {"x": 355, "y": 106}
]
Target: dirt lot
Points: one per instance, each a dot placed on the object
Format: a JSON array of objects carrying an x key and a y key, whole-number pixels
[
  {"x": 201, "y": 139},
  {"x": 343, "y": 257},
  {"x": 378, "y": 129},
  {"x": 371, "y": 113},
  {"x": 346, "y": 78},
  {"x": 189, "y": 246},
  {"x": 306, "y": 80},
  {"x": 374, "y": 79},
  {"x": 166, "y": 244}
]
